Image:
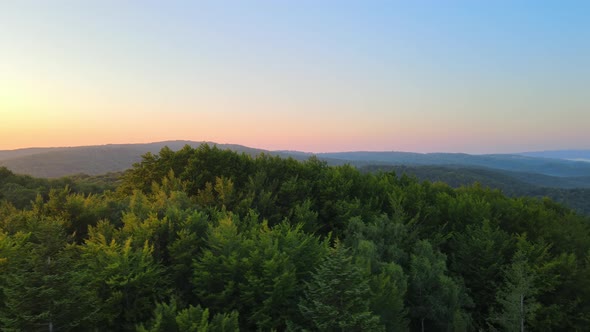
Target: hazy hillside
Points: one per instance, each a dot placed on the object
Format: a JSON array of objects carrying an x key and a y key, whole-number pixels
[
  {"x": 508, "y": 162},
  {"x": 580, "y": 155},
  {"x": 9, "y": 154},
  {"x": 101, "y": 159},
  {"x": 92, "y": 160}
]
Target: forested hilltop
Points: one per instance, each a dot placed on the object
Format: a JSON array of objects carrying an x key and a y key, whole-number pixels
[{"x": 204, "y": 239}]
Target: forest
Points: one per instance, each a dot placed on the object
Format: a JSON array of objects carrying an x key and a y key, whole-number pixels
[
  {"x": 573, "y": 192},
  {"x": 205, "y": 239}
]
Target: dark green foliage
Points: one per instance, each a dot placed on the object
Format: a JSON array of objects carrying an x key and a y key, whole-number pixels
[
  {"x": 434, "y": 296},
  {"x": 478, "y": 254},
  {"x": 38, "y": 285},
  {"x": 187, "y": 240},
  {"x": 255, "y": 272},
  {"x": 125, "y": 280},
  {"x": 168, "y": 318},
  {"x": 388, "y": 290}
]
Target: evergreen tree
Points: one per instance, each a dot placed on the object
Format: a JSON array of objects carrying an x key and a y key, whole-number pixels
[
  {"x": 126, "y": 281},
  {"x": 478, "y": 254},
  {"x": 337, "y": 296},
  {"x": 38, "y": 287},
  {"x": 516, "y": 299}
]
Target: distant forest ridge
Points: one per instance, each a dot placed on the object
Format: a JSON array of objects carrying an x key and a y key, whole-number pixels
[
  {"x": 540, "y": 174},
  {"x": 91, "y": 160},
  {"x": 573, "y": 192},
  {"x": 101, "y": 159}
]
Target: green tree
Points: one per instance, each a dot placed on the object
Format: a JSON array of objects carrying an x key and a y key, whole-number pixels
[
  {"x": 126, "y": 281},
  {"x": 388, "y": 289},
  {"x": 38, "y": 287},
  {"x": 188, "y": 243},
  {"x": 255, "y": 272},
  {"x": 516, "y": 299},
  {"x": 337, "y": 296},
  {"x": 478, "y": 254},
  {"x": 434, "y": 296}
]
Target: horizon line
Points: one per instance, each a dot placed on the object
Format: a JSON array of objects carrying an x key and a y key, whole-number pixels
[{"x": 290, "y": 150}]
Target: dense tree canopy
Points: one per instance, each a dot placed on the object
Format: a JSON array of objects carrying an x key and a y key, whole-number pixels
[{"x": 210, "y": 240}]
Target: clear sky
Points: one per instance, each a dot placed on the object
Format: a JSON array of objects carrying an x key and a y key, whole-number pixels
[{"x": 311, "y": 75}]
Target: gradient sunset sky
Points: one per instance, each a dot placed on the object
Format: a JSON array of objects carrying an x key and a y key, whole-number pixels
[{"x": 424, "y": 76}]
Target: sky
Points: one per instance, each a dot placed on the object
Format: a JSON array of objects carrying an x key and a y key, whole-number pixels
[{"x": 308, "y": 75}]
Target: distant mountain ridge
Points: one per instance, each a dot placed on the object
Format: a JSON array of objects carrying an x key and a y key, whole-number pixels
[{"x": 101, "y": 159}]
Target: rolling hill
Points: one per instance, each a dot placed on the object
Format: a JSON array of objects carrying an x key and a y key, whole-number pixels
[
  {"x": 93, "y": 160},
  {"x": 564, "y": 181},
  {"x": 508, "y": 162}
]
